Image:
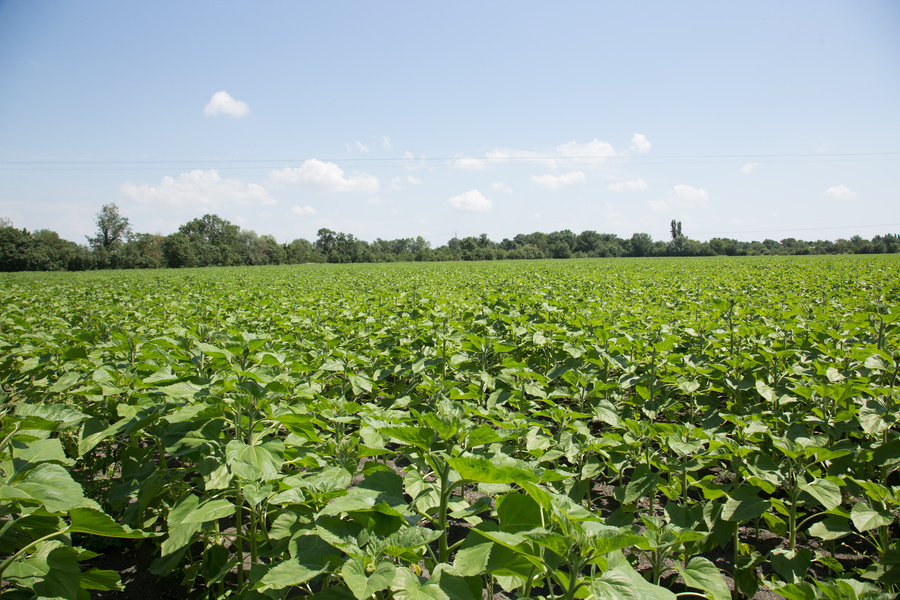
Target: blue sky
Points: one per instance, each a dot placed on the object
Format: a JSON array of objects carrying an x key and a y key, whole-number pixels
[{"x": 749, "y": 120}]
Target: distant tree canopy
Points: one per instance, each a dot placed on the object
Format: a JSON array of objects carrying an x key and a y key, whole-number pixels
[{"x": 213, "y": 241}]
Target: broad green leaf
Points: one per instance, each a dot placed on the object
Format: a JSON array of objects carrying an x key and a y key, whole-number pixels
[
  {"x": 744, "y": 505},
  {"x": 701, "y": 574},
  {"x": 409, "y": 586},
  {"x": 102, "y": 580},
  {"x": 865, "y": 517},
  {"x": 96, "y": 522},
  {"x": 409, "y": 538},
  {"x": 482, "y": 470},
  {"x": 830, "y": 528},
  {"x": 794, "y": 591},
  {"x": 614, "y": 584},
  {"x": 260, "y": 462},
  {"x": 793, "y": 566},
  {"x": 518, "y": 512},
  {"x": 51, "y": 485},
  {"x": 644, "y": 590},
  {"x": 59, "y": 417},
  {"x": 420, "y": 437},
  {"x": 364, "y": 583},
  {"x": 286, "y": 574},
  {"x": 826, "y": 492},
  {"x": 643, "y": 481},
  {"x": 471, "y": 560},
  {"x": 38, "y": 451}
]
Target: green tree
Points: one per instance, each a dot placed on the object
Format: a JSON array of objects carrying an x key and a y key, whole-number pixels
[
  {"x": 215, "y": 240},
  {"x": 112, "y": 228},
  {"x": 641, "y": 244}
]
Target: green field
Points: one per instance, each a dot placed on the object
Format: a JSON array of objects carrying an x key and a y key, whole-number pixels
[{"x": 562, "y": 429}]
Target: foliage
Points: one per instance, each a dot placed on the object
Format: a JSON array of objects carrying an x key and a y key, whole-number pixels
[{"x": 443, "y": 430}]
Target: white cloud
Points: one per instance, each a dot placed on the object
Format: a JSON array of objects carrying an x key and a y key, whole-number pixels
[
  {"x": 327, "y": 176},
  {"x": 302, "y": 211},
  {"x": 750, "y": 167},
  {"x": 472, "y": 200},
  {"x": 467, "y": 163},
  {"x": 553, "y": 182},
  {"x": 681, "y": 197},
  {"x": 594, "y": 152},
  {"x": 640, "y": 143},
  {"x": 637, "y": 185},
  {"x": 357, "y": 145},
  {"x": 421, "y": 221},
  {"x": 375, "y": 200},
  {"x": 222, "y": 102},
  {"x": 386, "y": 142},
  {"x": 840, "y": 192},
  {"x": 413, "y": 180},
  {"x": 206, "y": 189},
  {"x": 499, "y": 186}
]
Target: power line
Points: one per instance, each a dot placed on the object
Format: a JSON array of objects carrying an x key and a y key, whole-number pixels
[{"x": 529, "y": 160}]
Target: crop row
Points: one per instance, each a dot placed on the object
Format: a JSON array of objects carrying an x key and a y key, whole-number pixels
[{"x": 578, "y": 429}]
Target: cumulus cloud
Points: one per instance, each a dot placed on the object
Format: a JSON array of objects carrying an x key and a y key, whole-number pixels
[
  {"x": 327, "y": 176},
  {"x": 640, "y": 143},
  {"x": 594, "y": 152},
  {"x": 750, "y": 167},
  {"x": 386, "y": 142},
  {"x": 199, "y": 188},
  {"x": 467, "y": 163},
  {"x": 302, "y": 211},
  {"x": 473, "y": 201},
  {"x": 222, "y": 102},
  {"x": 553, "y": 182},
  {"x": 637, "y": 185},
  {"x": 840, "y": 192},
  {"x": 681, "y": 197},
  {"x": 499, "y": 186}
]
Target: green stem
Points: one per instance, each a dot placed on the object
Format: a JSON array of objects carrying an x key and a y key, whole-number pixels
[{"x": 238, "y": 526}]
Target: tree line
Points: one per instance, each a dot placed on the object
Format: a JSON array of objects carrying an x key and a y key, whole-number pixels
[{"x": 213, "y": 241}]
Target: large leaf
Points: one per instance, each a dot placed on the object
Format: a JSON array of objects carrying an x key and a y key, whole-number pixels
[
  {"x": 865, "y": 517},
  {"x": 484, "y": 471},
  {"x": 701, "y": 574},
  {"x": 260, "y": 462},
  {"x": 614, "y": 584},
  {"x": 420, "y": 437},
  {"x": 48, "y": 484},
  {"x": 744, "y": 504},
  {"x": 518, "y": 512},
  {"x": 643, "y": 481},
  {"x": 364, "y": 584},
  {"x": 96, "y": 522},
  {"x": 831, "y": 528},
  {"x": 286, "y": 574},
  {"x": 409, "y": 586},
  {"x": 793, "y": 566},
  {"x": 644, "y": 590},
  {"x": 187, "y": 517},
  {"x": 825, "y": 491}
]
